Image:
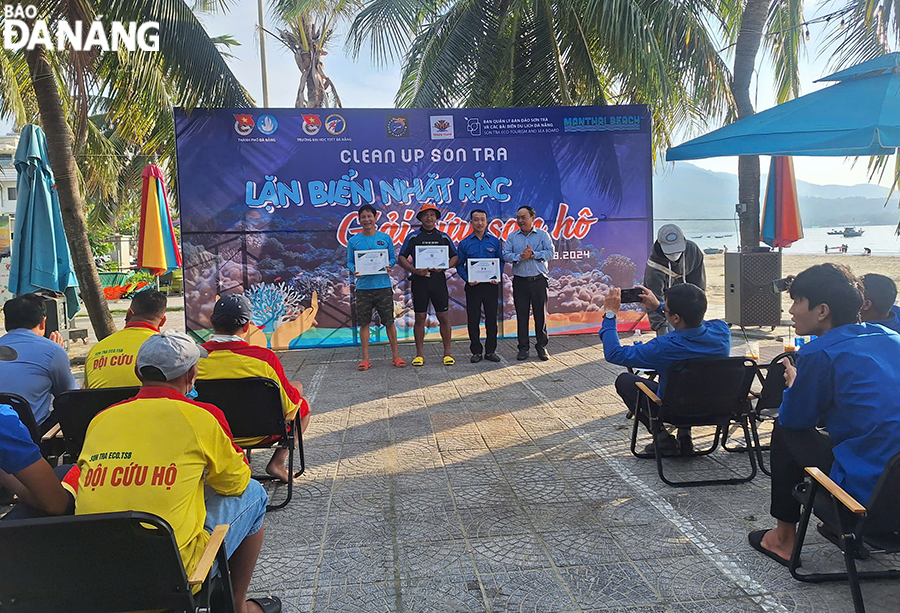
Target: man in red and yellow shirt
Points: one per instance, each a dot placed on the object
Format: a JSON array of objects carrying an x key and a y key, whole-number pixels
[
  {"x": 110, "y": 363},
  {"x": 179, "y": 463},
  {"x": 231, "y": 357}
]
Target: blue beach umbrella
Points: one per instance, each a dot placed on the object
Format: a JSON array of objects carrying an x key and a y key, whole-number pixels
[
  {"x": 859, "y": 115},
  {"x": 40, "y": 253}
]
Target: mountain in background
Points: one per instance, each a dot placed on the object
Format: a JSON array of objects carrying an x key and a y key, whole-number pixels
[{"x": 688, "y": 192}]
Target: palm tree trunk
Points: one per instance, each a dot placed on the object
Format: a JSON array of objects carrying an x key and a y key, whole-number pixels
[
  {"x": 62, "y": 160},
  {"x": 752, "y": 23}
]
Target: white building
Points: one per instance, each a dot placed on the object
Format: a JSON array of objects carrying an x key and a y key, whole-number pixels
[{"x": 8, "y": 144}]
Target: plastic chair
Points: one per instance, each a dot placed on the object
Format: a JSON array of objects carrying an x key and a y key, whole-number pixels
[{"x": 76, "y": 408}]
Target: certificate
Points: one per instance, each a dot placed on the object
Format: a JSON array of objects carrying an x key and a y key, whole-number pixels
[
  {"x": 433, "y": 256},
  {"x": 484, "y": 270},
  {"x": 371, "y": 261}
]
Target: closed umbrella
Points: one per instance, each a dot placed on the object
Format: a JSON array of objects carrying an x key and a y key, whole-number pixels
[
  {"x": 781, "y": 224},
  {"x": 40, "y": 254},
  {"x": 157, "y": 248}
]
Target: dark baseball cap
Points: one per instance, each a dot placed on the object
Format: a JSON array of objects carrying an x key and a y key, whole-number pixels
[{"x": 233, "y": 306}]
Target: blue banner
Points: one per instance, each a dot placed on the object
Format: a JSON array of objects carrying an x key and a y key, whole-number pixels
[{"x": 268, "y": 199}]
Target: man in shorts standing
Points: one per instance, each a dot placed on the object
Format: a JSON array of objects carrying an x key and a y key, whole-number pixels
[
  {"x": 429, "y": 284},
  {"x": 373, "y": 292}
]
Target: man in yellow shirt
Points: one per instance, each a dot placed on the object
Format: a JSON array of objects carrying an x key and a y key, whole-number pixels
[
  {"x": 161, "y": 453},
  {"x": 110, "y": 363}
]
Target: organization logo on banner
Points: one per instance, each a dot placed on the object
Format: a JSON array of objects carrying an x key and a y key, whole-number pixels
[
  {"x": 335, "y": 124},
  {"x": 267, "y": 124},
  {"x": 441, "y": 127},
  {"x": 398, "y": 127},
  {"x": 21, "y": 28},
  {"x": 243, "y": 124},
  {"x": 311, "y": 124},
  {"x": 473, "y": 126},
  {"x": 614, "y": 123}
]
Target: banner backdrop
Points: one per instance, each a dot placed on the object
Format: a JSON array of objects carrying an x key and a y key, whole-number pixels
[{"x": 268, "y": 199}]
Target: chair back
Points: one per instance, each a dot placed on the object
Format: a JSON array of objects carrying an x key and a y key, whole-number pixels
[
  {"x": 23, "y": 410},
  {"x": 707, "y": 391},
  {"x": 774, "y": 385},
  {"x": 76, "y": 408},
  {"x": 883, "y": 508},
  {"x": 113, "y": 562},
  {"x": 252, "y": 406}
]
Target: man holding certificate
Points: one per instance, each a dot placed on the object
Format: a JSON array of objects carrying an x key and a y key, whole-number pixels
[
  {"x": 370, "y": 255},
  {"x": 432, "y": 252},
  {"x": 479, "y": 266},
  {"x": 529, "y": 249}
]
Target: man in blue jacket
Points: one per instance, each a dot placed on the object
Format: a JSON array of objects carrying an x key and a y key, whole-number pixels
[
  {"x": 684, "y": 308},
  {"x": 848, "y": 378},
  {"x": 879, "y": 294},
  {"x": 480, "y": 244}
]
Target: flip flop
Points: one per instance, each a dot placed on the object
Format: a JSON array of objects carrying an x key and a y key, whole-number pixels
[
  {"x": 399, "y": 363},
  {"x": 756, "y": 538},
  {"x": 448, "y": 361},
  {"x": 364, "y": 365},
  {"x": 269, "y": 604},
  {"x": 418, "y": 361}
]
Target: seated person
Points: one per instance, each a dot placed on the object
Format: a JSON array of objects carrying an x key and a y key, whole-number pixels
[
  {"x": 691, "y": 338},
  {"x": 231, "y": 357},
  {"x": 42, "y": 369},
  {"x": 24, "y": 471},
  {"x": 110, "y": 363},
  {"x": 879, "y": 294},
  {"x": 848, "y": 377},
  {"x": 179, "y": 465}
]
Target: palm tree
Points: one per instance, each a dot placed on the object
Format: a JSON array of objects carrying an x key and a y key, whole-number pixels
[
  {"x": 525, "y": 53},
  {"x": 137, "y": 89}
]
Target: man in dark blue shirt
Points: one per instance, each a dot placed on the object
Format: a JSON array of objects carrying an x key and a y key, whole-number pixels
[
  {"x": 879, "y": 294},
  {"x": 848, "y": 378},
  {"x": 480, "y": 244},
  {"x": 692, "y": 337}
]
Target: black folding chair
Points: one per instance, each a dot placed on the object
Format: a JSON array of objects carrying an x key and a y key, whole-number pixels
[
  {"x": 114, "y": 562},
  {"x": 875, "y": 526},
  {"x": 702, "y": 392},
  {"x": 76, "y": 408},
  {"x": 48, "y": 442},
  {"x": 253, "y": 409}
]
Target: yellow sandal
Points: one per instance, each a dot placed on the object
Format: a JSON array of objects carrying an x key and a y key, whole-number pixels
[
  {"x": 418, "y": 361},
  {"x": 448, "y": 361}
]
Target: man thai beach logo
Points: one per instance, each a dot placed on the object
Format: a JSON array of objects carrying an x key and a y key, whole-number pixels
[
  {"x": 441, "y": 127},
  {"x": 311, "y": 124},
  {"x": 398, "y": 127},
  {"x": 335, "y": 124},
  {"x": 243, "y": 124},
  {"x": 81, "y": 36},
  {"x": 267, "y": 125}
]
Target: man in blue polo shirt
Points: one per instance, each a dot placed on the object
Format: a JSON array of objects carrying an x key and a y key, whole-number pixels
[
  {"x": 42, "y": 369},
  {"x": 848, "y": 378},
  {"x": 480, "y": 245},
  {"x": 373, "y": 292},
  {"x": 692, "y": 338},
  {"x": 879, "y": 294}
]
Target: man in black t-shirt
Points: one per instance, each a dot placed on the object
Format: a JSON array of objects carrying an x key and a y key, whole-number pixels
[{"x": 429, "y": 284}]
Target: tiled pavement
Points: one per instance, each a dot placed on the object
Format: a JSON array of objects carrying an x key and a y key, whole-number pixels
[{"x": 510, "y": 487}]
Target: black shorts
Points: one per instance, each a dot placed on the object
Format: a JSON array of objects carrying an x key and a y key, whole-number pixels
[
  {"x": 381, "y": 300},
  {"x": 430, "y": 289}
]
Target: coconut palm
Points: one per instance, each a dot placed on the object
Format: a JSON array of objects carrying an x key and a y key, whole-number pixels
[{"x": 137, "y": 90}]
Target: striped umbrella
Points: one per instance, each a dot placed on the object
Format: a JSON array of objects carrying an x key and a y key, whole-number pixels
[
  {"x": 157, "y": 248},
  {"x": 781, "y": 224}
]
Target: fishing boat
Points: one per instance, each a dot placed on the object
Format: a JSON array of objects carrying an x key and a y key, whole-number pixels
[
  {"x": 850, "y": 232},
  {"x": 713, "y": 251},
  {"x": 835, "y": 233}
]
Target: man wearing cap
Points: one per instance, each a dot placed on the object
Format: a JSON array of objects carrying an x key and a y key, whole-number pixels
[
  {"x": 672, "y": 260},
  {"x": 429, "y": 284},
  {"x": 529, "y": 249},
  {"x": 232, "y": 357},
  {"x": 110, "y": 363},
  {"x": 179, "y": 465},
  {"x": 373, "y": 292}
]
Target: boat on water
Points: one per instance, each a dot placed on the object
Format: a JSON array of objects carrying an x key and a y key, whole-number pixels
[
  {"x": 713, "y": 251},
  {"x": 720, "y": 236},
  {"x": 696, "y": 236},
  {"x": 835, "y": 233},
  {"x": 850, "y": 232}
]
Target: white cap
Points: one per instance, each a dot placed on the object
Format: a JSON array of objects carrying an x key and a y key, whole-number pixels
[
  {"x": 670, "y": 239},
  {"x": 173, "y": 352}
]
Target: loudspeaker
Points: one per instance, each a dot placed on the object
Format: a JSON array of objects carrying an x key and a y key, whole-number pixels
[
  {"x": 750, "y": 299},
  {"x": 55, "y": 309}
]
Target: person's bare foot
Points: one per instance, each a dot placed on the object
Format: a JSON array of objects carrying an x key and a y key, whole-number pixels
[
  {"x": 276, "y": 467},
  {"x": 771, "y": 541}
]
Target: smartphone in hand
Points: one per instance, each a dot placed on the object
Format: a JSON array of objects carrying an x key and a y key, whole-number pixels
[{"x": 631, "y": 295}]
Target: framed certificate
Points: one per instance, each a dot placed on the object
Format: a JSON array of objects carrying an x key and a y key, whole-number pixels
[
  {"x": 484, "y": 270},
  {"x": 432, "y": 256},
  {"x": 371, "y": 261}
]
